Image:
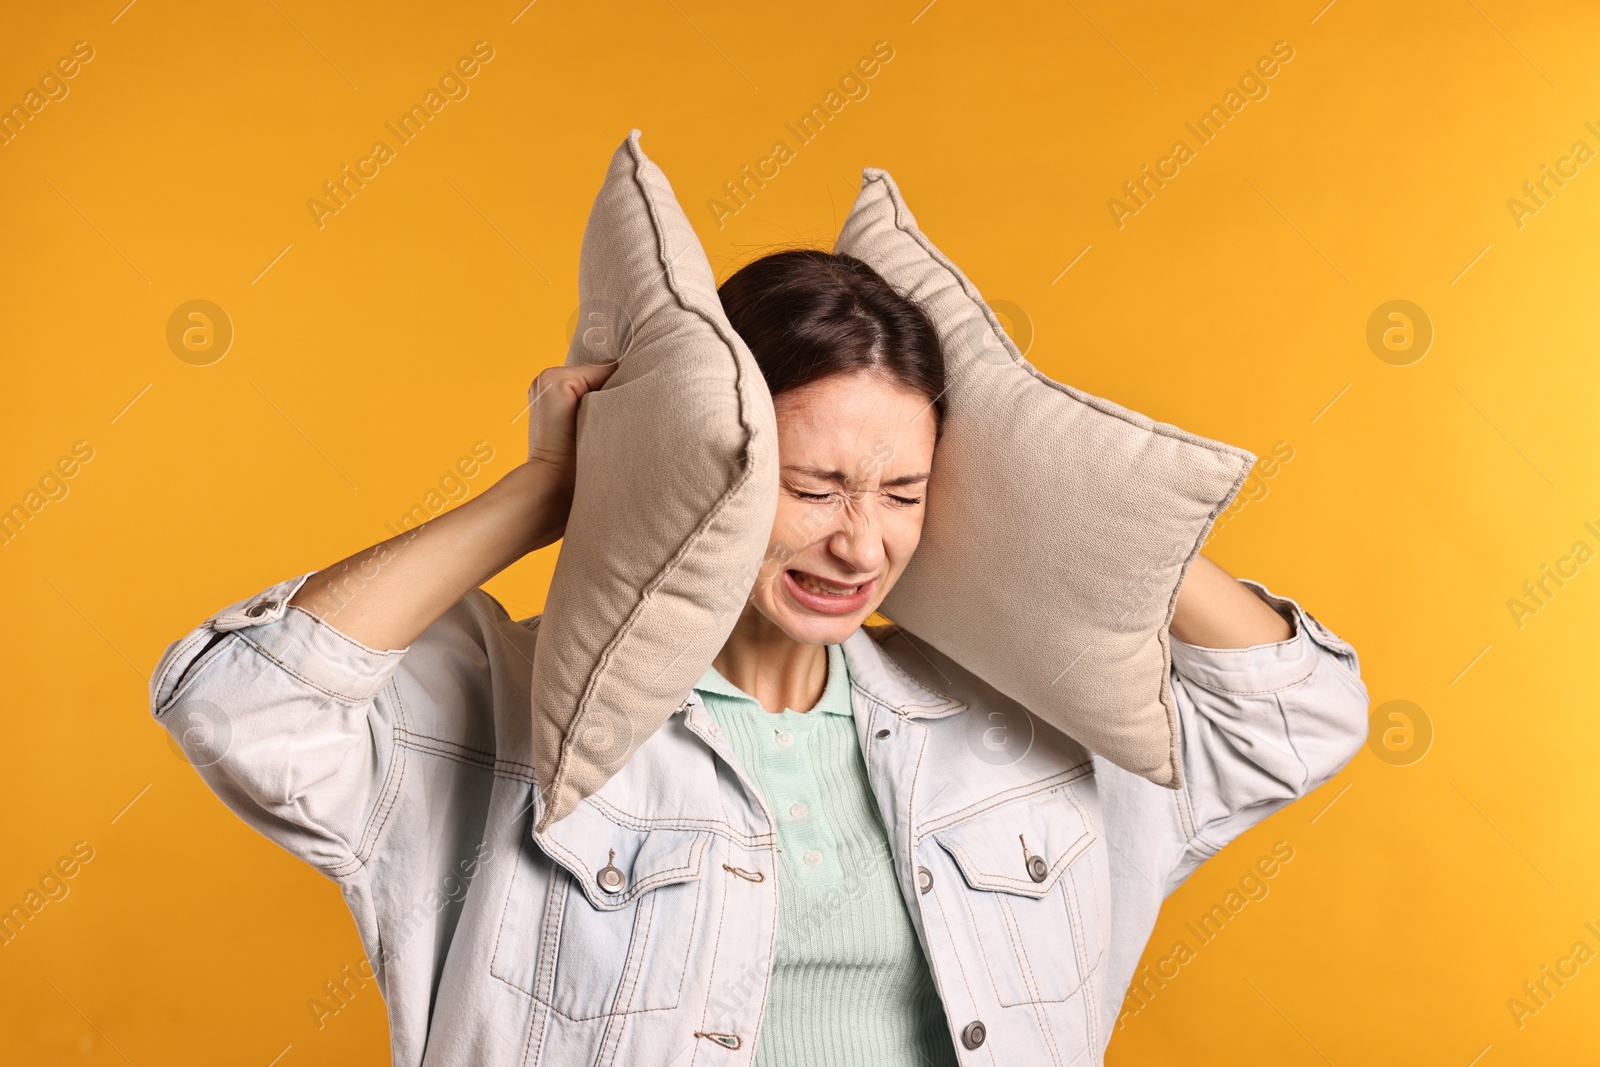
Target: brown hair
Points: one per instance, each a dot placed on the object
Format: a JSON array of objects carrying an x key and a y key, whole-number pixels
[{"x": 806, "y": 314}]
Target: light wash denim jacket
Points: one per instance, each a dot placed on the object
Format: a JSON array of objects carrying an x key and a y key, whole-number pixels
[{"x": 639, "y": 930}]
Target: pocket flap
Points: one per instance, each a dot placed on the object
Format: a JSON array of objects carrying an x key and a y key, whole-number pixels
[
  {"x": 995, "y": 849},
  {"x": 614, "y": 862}
]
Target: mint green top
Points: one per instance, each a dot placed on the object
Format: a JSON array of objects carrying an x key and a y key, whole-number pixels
[{"x": 850, "y": 984}]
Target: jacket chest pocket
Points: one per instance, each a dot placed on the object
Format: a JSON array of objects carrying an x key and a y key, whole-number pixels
[
  {"x": 1028, "y": 902},
  {"x": 603, "y": 922}
]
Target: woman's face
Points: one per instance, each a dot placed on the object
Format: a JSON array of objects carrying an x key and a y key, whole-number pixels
[{"x": 854, "y": 454}]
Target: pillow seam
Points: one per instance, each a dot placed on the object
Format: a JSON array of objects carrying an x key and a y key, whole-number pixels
[
  {"x": 1155, "y": 427},
  {"x": 604, "y": 662}
]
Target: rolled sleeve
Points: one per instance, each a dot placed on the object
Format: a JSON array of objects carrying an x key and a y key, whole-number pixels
[
  {"x": 1263, "y": 725},
  {"x": 281, "y": 715}
]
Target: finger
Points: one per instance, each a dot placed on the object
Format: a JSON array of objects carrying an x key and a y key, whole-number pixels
[
  {"x": 575, "y": 380},
  {"x": 593, "y": 375}
]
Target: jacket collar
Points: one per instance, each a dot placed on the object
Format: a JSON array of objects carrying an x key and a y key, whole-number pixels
[
  {"x": 874, "y": 674},
  {"x": 879, "y": 677}
]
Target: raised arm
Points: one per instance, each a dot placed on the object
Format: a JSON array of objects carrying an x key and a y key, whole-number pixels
[
  {"x": 1270, "y": 706},
  {"x": 1216, "y": 610},
  {"x": 281, "y": 701},
  {"x": 387, "y": 595}
]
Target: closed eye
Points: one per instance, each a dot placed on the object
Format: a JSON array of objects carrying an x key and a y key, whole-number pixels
[{"x": 900, "y": 501}]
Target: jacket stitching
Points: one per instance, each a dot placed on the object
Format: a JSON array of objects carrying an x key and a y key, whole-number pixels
[
  {"x": 1075, "y": 921},
  {"x": 716, "y": 946},
  {"x": 1030, "y": 888},
  {"x": 561, "y": 877},
  {"x": 438, "y": 746},
  {"x": 501, "y": 761},
  {"x": 940, "y": 701},
  {"x": 179, "y": 653},
  {"x": 612, "y": 1014},
  {"x": 544, "y": 974},
  {"x": 961, "y": 967},
  {"x": 973, "y": 924},
  {"x": 1300, "y": 787},
  {"x": 715, "y": 827},
  {"x": 191, "y": 670},
  {"x": 1035, "y": 999},
  {"x": 500, "y": 927},
  {"x": 1013, "y": 795},
  {"x": 893, "y": 668},
  {"x": 718, "y": 826},
  {"x": 371, "y": 837},
  {"x": 628, "y": 980},
  {"x": 1224, "y": 691},
  {"x": 1020, "y": 951},
  {"x": 916, "y": 777},
  {"x": 393, "y": 784},
  {"x": 297, "y": 675},
  {"x": 632, "y": 976},
  {"x": 668, "y": 876}
]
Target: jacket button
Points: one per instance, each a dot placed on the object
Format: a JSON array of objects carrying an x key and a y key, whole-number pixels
[
  {"x": 924, "y": 880},
  {"x": 255, "y": 611},
  {"x": 1037, "y": 868},
  {"x": 974, "y": 1033},
  {"x": 611, "y": 878},
  {"x": 881, "y": 734}
]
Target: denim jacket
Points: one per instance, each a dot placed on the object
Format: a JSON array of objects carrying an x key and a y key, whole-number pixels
[{"x": 639, "y": 930}]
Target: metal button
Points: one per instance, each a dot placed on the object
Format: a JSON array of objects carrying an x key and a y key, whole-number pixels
[
  {"x": 973, "y": 1033},
  {"x": 813, "y": 857},
  {"x": 255, "y": 611},
  {"x": 799, "y": 810},
  {"x": 924, "y": 879},
  {"x": 611, "y": 878},
  {"x": 1037, "y": 868},
  {"x": 784, "y": 738},
  {"x": 881, "y": 734}
]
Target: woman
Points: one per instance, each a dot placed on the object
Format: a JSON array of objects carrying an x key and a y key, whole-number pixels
[{"x": 842, "y": 849}]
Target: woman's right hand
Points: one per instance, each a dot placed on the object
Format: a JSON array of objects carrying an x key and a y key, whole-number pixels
[
  {"x": 387, "y": 595},
  {"x": 553, "y": 414}
]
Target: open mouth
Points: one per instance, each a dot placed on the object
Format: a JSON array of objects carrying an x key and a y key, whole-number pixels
[{"x": 819, "y": 594}]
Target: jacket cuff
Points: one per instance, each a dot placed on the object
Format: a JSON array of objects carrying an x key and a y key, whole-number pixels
[
  {"x": 1268, "y": 667},
  {"x": 306, "y": 646}
]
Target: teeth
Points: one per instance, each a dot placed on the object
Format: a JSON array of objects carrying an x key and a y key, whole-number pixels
[{"x": 817, "y": 585}]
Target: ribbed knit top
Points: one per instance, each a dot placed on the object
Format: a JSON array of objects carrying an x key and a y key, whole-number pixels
[{"x": 850, "y": 983}]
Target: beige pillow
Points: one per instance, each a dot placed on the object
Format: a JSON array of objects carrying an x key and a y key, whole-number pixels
[
  {"x": 676, "y": 490},
  {"x": 1059, "y": 525}
]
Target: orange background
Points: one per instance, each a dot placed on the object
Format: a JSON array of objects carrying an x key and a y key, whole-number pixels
[{"x": 372, "y": 353}]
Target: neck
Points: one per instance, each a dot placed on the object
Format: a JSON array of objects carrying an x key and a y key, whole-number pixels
[{"x": 771, "y": 666}]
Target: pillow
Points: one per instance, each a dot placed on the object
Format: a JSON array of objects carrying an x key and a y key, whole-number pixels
[
  {"x": 677, "y": 488},
  {"x": 1059, "y": 525}
]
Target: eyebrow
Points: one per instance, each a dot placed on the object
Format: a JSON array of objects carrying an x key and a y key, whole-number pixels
[{"x": 840, "y": 478}]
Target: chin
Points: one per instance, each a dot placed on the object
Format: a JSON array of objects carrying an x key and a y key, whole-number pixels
[
  {"x": 811, "y": 628},
  {"x": 811, "y": 631}
]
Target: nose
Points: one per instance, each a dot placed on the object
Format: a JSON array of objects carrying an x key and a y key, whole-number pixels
[{"x": 857, "y": 541}]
